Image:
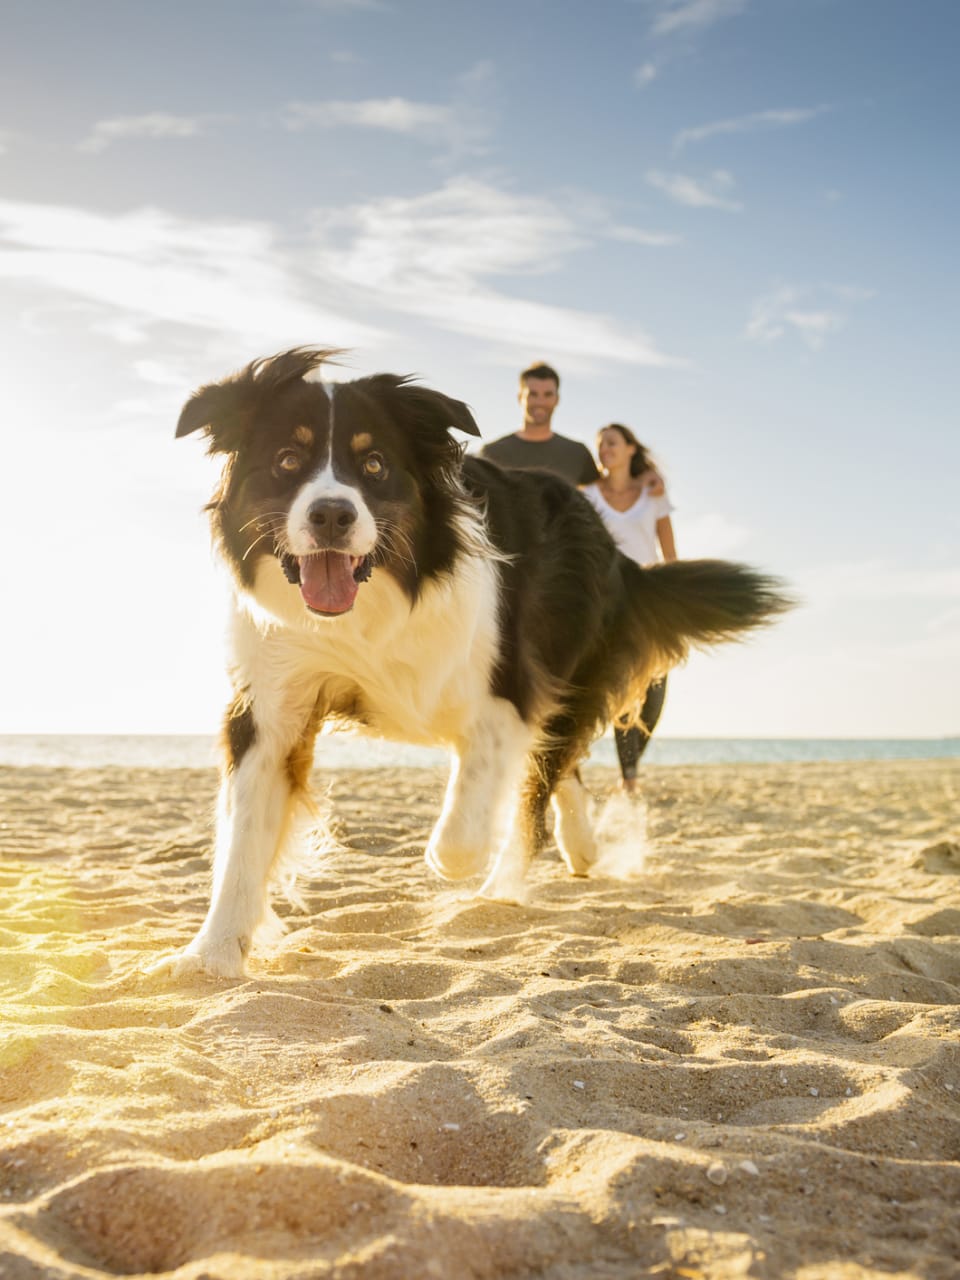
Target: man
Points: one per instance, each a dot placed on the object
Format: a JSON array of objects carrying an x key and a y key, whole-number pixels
[{"x": 536, "y": 444}]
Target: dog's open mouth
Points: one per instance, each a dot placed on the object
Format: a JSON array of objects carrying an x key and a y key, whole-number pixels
[{"x": 328, "y": 580}]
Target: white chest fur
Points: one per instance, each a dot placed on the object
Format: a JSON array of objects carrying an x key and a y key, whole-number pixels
[{"x": 422, "y": 672}]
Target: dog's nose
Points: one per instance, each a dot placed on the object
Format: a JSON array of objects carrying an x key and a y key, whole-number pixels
[{"x": 332, "y": 515}]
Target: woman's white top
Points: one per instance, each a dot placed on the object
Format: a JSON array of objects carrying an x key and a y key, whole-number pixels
[{"x": 634, "y": 530}]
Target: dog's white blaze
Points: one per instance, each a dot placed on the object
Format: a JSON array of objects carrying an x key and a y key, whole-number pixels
[{"x": 324, "y": 485}]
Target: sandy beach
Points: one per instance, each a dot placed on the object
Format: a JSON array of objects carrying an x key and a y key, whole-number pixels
[{"x": 735, "y": 1052}]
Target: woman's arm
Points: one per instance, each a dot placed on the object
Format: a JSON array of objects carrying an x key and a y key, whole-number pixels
[
  {"x": 665, "y": 534},
  {"x": 651, "y": 482}
]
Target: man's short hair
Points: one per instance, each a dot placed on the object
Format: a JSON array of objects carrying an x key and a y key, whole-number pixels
[{"x": 540, "y": 370}]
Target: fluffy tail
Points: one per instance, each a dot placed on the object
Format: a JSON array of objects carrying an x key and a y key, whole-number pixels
[{"x": 698, "y": 602}]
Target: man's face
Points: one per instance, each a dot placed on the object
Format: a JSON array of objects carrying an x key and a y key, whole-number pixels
[{"x": 538, "y": 399}]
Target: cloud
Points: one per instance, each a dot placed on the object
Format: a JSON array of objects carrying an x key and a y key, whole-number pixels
[
  {"x": 434, "y": 256},
  {"x": 685, "y": 15},
  {"x": 461, "y": 127},
  {"x": 149, "y": 267},
  {"x": 693, "y": 193},
  {"x": 393, "y": 115},
  {"x": 154, "y": 125},
  {"x": 636, "y": 235},
  {"x": 773, "y": 119},
  {"x": 645, "y": 75},
  {"x": 810, "y": 314}
]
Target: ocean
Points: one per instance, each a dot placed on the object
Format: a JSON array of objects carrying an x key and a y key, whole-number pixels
[{"x": 342, "y": 751}]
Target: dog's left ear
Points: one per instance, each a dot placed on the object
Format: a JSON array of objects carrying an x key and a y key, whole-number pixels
[{"x": 434, "y": 409}]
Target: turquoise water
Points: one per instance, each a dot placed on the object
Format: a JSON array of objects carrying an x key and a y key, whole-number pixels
[{"x": 345, "y": 752}]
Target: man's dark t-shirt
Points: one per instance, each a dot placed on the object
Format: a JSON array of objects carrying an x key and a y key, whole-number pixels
[{"x": 567, "y": 458}]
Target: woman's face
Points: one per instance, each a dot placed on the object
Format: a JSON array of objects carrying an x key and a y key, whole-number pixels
[{"x": 613, "y": 450}]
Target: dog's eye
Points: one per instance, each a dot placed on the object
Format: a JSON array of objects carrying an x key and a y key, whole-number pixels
[
  {"x": 288, "y": 461},
  {"x": 374, "y": 466}
]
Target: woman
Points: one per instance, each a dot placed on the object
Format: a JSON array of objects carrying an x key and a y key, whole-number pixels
[{"x": 632, "y": 501}]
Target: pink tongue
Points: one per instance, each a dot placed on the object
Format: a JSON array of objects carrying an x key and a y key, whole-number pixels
[{"x": 327, "y": 583}]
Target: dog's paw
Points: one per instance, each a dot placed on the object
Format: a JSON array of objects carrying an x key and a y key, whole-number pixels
[
  {"x": 203, "y": 957},
  {"x": 505, "y": 884},
  {"x": 579, "y": 861},
  {"x": 453, "y": 861}
]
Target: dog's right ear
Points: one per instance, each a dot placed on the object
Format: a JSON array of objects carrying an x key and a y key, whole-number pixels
[{"x": 221, "y": 409}]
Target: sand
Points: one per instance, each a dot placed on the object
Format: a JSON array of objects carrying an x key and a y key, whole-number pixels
[{"x": 737, "y": 1056}]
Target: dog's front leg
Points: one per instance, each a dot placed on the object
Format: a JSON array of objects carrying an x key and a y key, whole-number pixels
[
  {"x": 253, "y": 814},
  {"x": 259, "y": 792}
]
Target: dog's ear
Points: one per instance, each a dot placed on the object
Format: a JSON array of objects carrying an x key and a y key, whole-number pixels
[
  {"x": 435, "y": 409},
  {"x": 226, "y": 410},
  {"x": 223, "y": 410},
  {"x": 425, "y": 413}
]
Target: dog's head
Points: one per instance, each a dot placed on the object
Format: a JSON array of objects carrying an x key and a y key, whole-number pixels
[{"x": 336, "y": 481}]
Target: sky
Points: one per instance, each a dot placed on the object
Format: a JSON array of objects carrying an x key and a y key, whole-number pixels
[{"x": 731, "y": 224}]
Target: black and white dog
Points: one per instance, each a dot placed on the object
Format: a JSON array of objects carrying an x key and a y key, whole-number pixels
[{"x": 383, "y": 580}]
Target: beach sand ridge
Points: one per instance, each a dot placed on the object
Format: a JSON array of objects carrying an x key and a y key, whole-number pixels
[{"x": 734, "y": 1053}]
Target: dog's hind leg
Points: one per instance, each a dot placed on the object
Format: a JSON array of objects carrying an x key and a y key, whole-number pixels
[
  {"x": 552, "y": 779},
  {"x": 573, "y": 830},
  {"x": 481, "y": 793}
]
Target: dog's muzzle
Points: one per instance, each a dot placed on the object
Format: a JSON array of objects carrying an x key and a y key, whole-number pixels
[{"x": 291, "y": 568}]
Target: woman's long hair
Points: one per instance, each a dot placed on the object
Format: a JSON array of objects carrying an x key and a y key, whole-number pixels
[{"x": 642, "y": 460}]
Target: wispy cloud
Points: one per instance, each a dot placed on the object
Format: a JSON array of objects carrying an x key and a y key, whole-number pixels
[
  {"x": 645, "y": 74},
  {"x": 461, "y": 127},
  {"x": 435, "y": 256},
  {"x": 637, "y": 235},
  {"x": 150, "y": 267},
  {"x": 696, "y": 193},
  {"x": 392, "y": 115},
  {"x": 687, "y": 15},
  {"x": 810, "y": 314},
  {"x": 153, "y": 125},
  {"x": 757, "y": 120}
]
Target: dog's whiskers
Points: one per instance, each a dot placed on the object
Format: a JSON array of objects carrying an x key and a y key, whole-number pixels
[
  {"x": 264, "y": 519},
  {"x": 394, "y": 542},
  {"x": 254, "y": 543}
]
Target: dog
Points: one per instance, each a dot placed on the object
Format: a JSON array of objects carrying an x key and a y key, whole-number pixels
[{"x": 384, "y": 580}]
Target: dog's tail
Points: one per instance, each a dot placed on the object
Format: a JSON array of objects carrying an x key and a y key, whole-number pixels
[{"x": 695, "y": 603}]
